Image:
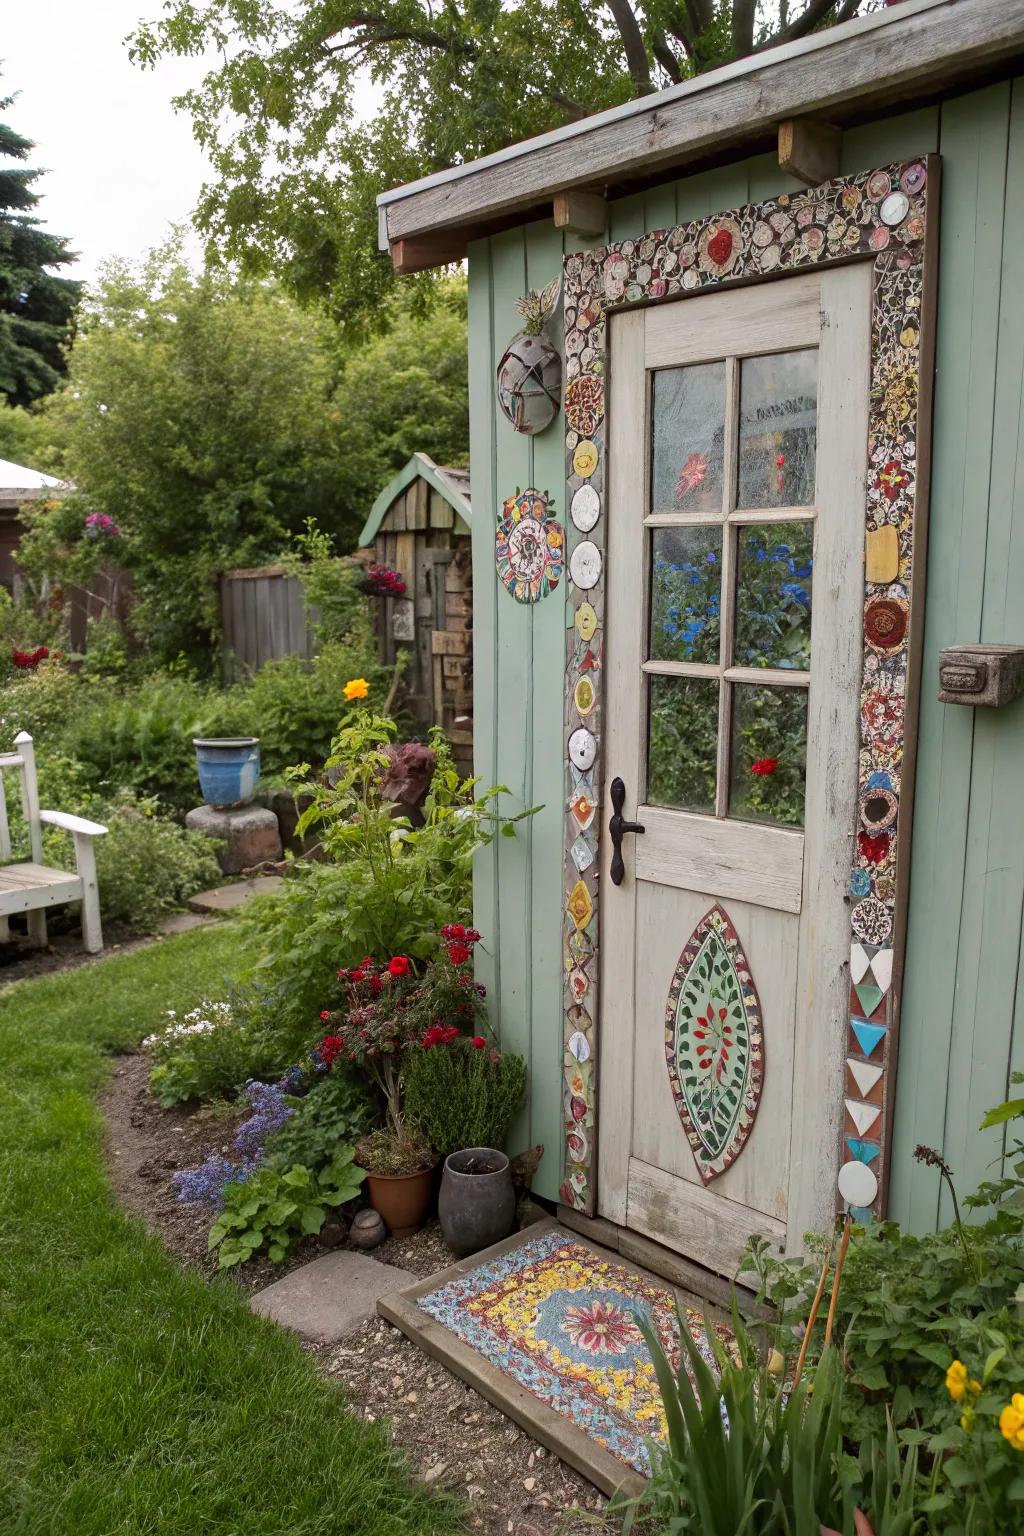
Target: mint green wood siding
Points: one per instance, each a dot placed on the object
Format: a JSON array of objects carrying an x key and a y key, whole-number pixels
[{"x": 962, "y": 983}]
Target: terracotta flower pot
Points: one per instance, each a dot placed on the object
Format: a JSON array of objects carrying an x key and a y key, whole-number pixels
[{"x": 402, "y": 1199}]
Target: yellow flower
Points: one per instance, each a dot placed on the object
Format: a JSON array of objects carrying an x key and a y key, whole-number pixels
[
  {"x": 1011, "y": 1421},
  {"x": 356, "y": 688},
  {"x": 956, "y": 1381}
]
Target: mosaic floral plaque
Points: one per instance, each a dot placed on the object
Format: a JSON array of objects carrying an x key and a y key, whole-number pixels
[
  {"x": 529, "y": 546},
  {"x": 714, "y": 1044},
  {"x": 879, "y": 216}
]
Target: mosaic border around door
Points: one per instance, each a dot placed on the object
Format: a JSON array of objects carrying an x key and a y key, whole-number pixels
[{"x": 883, "y": 216}]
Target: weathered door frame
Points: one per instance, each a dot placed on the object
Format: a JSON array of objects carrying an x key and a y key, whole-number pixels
[{"x": 887, "y": 216}]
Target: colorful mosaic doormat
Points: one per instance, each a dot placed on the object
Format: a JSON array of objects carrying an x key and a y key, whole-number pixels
[{"x": 561, "y": 1321}]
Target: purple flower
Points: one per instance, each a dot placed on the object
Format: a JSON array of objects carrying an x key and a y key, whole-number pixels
[
  {"x": 268, "y": 1100},
  {"x": 205, "y": 1185}
]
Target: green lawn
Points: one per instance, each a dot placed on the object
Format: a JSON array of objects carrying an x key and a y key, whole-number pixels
[{"x": 134, "y": 1396}]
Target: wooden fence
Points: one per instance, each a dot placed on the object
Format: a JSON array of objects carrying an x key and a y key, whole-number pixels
[{"x": 264, "y": 617}]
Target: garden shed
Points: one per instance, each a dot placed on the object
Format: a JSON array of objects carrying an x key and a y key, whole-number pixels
[
  {"x": 419, "y": 528},
  {"x": 19, "y": 487},
  {"x": 763, "y": 936}
]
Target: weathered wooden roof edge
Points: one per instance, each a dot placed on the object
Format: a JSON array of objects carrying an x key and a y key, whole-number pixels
[
  {"x": 419, "y": 466},
  {"x": 891, "y": 60}
]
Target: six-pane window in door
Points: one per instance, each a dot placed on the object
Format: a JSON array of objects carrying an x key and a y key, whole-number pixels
[{"x": 730, "y": 550}]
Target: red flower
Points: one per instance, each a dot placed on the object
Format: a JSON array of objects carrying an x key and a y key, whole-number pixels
[
  {"x": 439, "y": 1034},
  {"x": 399, "y": 965},
  {"x": 764, "y": 766},
  {"x": 780, "y": 459},
  {"x": 458, "y": 954},
  {"x": 330, "y": 1048},
  {"x": 478, "y": 1042},
  {"x": 720, "y": 247},
  {"x": 325, "y": 1014},
  {"x": 453, "y": 931}
]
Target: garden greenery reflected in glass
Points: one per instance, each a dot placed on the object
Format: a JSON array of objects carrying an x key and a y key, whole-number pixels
[{"x": 708, "y": 538}]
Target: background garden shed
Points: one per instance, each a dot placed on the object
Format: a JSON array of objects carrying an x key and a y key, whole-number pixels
[
  {"x": 419, "y": 528},
  {"x": 702, "y": 605}
]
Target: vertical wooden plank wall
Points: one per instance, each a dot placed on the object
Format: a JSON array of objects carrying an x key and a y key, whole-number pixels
[{"x": 963, "y": 975}]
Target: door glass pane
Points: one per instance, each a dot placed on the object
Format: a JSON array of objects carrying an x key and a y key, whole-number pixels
[
  {"x": 769, "y": 749},
  {"x": 689, "y": 431},
  {"x": 773, "y": 596},
  {"x": 686, "y": 592},
  {"x": 778, "y": 415},
  {"x": 682, "y": 743}
]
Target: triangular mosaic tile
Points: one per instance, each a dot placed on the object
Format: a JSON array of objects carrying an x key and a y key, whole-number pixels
[
  {"x": 867, "y": 1035},
  {"x": 878, "y": 1015},
  {"x": 860, "y": 959},
  {"x": 863, "y": 1151},
  {"x": 864, "y": 1074},
  {"x": 868, "y": 996},
  {"x": 881, "y": 969},
  {"x": 863, "y": 1116}
]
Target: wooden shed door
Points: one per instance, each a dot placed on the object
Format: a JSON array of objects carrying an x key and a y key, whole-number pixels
[{"x": 734, "y": 584}]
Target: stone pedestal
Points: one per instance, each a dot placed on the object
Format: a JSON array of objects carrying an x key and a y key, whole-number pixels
[{"x": 248, "y": 835}]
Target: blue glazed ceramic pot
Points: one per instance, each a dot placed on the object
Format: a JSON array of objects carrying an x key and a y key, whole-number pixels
[{"x": 228, "y": 768}]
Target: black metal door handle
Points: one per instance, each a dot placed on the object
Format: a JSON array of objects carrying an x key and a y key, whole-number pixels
[{"x": 617, "y": 825}]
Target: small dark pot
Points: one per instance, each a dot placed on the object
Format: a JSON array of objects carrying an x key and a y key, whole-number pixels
[{"x": 477, "y": 1206}]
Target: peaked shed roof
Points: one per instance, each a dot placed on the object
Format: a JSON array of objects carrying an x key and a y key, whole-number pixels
[
  {"x": 890, "y": 60},
  {"x": 19, "y": 484},
  {"x": 452, "y": 484}
]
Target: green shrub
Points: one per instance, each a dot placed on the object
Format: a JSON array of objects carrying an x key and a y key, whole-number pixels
[
  {"x": 294, "y": 706},
  {"x": 147, "y": 865},
  {"x": 386, "y": 887},
  {"x": 460, "y": 1095},
  {"x": 274, "y": 1210},
  {"x": 333, "y": 1114},
  {"x": 210, "y": 1053}
]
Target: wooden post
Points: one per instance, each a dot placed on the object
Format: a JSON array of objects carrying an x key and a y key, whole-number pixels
[
  {"x": 809, "y": 149},
  {"x": 581, "y": 213},
  {"x": 85, "y": 863}
]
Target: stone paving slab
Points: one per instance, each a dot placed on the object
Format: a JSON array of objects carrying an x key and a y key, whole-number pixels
[
  {"x": 184, "y": 922},
  {"x": 326, "y": 1299},
  {"x": 226, "y": 898}
]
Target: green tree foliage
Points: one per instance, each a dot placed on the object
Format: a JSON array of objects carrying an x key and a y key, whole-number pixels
[
  {"x": 209, "y": 417},
  {"x": 297, "y": 171},
  {"x": 36, "y": 305}
]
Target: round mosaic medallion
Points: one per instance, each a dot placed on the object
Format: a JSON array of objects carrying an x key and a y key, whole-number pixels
[
  {"x": 857, "y": 1184},
  {"x": 871, "y": 921},
  {"x": 584, "y": 403},
  {"x": 586, "y": 622},
  {"x": 878, "y": 185},
  {"x": 585, "y": 565},
  {"x": 528, "y": 546},
  {"x": 579, "y": 1046},
  {"x": 529, "y": 380},
  {"x": 885, "y": 623},
  {"x": 582, "y": 748},
  {"x": 894, "y": 209},
  {"x": 585, "y": 508},
  {"x": 878, "y": 809},
  {"x": 584, "y": 696},
  {"x": 913, "y": 179},
  {"x": 584, "y": 460}
]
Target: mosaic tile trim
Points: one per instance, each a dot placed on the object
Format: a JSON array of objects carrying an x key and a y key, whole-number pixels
[
  {"x": 714, "y": 1044},
  {"x": 879, "y": 215},
  {"x": 561, "y": 1321}
]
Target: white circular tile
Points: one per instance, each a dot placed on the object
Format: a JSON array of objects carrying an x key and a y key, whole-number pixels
[
  {"x": 582, "y": 748},
  {"x": 857, "y": 1184},
  {"x": 585, "y": 565},
  {"x": 586, "y": 508}
]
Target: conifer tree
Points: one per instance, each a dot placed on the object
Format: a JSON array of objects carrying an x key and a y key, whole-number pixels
[{"x": 37, "y": 305}]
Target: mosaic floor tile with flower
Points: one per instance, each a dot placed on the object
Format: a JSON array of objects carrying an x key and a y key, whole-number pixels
[{"x": 561, "y": 1321}]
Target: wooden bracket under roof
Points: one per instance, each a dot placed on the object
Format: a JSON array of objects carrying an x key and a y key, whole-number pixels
[
  {"x": 581, "y": 213},
  {"x": 809, "y": 149}
]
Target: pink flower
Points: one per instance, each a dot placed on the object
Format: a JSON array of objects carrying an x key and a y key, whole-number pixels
[{"x": 601, "y": 1327}]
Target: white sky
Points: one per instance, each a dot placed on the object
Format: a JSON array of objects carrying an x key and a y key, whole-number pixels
[{"x": 122, "y": 165}]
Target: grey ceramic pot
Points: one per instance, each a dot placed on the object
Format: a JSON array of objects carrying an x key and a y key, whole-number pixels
[{"x": 477, "y": 1205}]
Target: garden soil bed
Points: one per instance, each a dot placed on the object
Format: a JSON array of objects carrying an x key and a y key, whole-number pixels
[{"x": 452, "y": 1437}]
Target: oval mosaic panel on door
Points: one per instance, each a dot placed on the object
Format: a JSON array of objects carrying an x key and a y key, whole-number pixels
[{"x": 714, "y": 1043}]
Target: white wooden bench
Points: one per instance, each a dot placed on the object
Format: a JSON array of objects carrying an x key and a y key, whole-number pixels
[{"x": 32, "y": 887}]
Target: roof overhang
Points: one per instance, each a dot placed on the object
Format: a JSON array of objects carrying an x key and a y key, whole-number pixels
[{"x": 904, "y": 56}]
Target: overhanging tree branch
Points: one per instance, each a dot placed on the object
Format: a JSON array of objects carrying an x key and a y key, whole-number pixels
[{"x": 637, "y": 62}]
